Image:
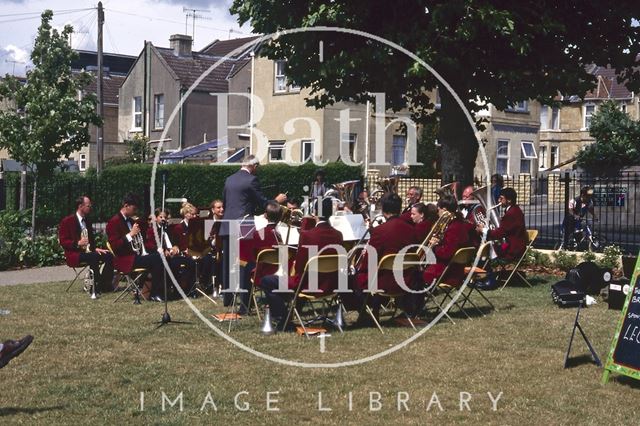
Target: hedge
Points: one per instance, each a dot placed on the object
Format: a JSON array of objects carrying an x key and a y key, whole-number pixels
[{"x": 198, "y": 183}]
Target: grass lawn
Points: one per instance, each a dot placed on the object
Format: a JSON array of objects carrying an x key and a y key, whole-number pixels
[{"x": 91, "y": 360}]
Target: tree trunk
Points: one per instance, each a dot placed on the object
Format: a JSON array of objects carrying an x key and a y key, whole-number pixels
[
  {"x": 33, "y": 205},
  {"x": 23, "y": 188},
  {"x": 459, "y": 144}
]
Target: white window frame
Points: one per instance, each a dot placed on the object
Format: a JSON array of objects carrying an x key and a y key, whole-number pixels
[
  {"x": 544, "y": 117},
  {"x": 623, "y": 106},
  {"x": 305, "y": 143},
  {"x": 555, "y": 148},
  {"x": 525, "y": 156},
  {"x": 586, "y": 119},
  {"x": 158, "y": 118},
  {"x": 352, "y": 140},
  {"x": 82, "y": 162},
  {"x": 555, "y": 124},
  {"x": 277, "y": 145},
  {"x": 542, "y": 161},
  {"x": 502, "y": 157},
  {"x": 519, "y": 106},
  {"x": 279, "y": 77},
  {"x": 135, "y": 113}
]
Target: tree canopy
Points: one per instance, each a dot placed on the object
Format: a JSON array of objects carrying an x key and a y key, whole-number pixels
[
  {"x": 489, "y": 51},
  {"x": 617, "y": 140}
]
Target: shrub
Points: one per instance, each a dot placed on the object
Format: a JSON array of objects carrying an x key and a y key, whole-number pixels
[
  {"x": 564, "y": 260},
  {"x": 610, "y": 258},
  {"x": 14, "y": 227},
  {"x": 535, "y": 257},
  {"x": 588, "y": 256},
  {"x": 43, "y": 250}
]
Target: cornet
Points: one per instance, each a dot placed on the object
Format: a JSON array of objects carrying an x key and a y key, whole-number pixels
[
  {"x": 85, "y": 234},
  {"x": 137, "y": 242}
]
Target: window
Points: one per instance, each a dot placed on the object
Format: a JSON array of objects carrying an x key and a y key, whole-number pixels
[
  {"x": 158, "y": 111},
  {"x": 82, "y": 164},
  {"x": 542, "y": 163},
  {"x": 554, "y": 156},
  {"x": 589, "y": 110},
  {"x": 398, "y": 149},
  {"x": 623, "y": 107},
  {"x": 502, "y": 157},
  {"x": 351, "y": 139},
  {"x": 520, "y": 106},
  {"x": 307, "y": 151},
  {"x": 555, "y": 118},
  {"x": 527, "y": 153},
  {"x": 544, "y": 117},
  {"x": 276, "y": 151},
  {"x": 137, "y": 112},
  {"x": 281, "y": 79}
]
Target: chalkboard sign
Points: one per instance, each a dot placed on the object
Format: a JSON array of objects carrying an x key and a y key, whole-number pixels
[{"x": 624, "y": 356}]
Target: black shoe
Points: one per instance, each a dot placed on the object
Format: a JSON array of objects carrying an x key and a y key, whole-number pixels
[
  {"x": 486, "y": 285},
  {"x": 13, "y": 348},
  {"x": 156, "y": 299}
]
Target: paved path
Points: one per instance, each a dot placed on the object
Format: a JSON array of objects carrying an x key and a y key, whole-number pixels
[{"x": 47, "y": 274}]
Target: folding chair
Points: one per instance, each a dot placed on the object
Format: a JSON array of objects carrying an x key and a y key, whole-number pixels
[
  {"x": 532, "y": 234},
  {"x": 387, "y": 264},
  {"x": 464, "y": 257},
  {"x": 479, "y": 271},
  {"x": 77, "y": 270},
  {"x": 324, "y": 263},
  {"x": 131, "y": 278},
  {"x": 265, "y": 257}
]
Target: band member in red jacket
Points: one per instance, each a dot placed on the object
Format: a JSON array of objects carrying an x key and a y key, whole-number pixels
[
  {"x": 414, "y": 195},
  {"x": 423, "y": 217},
  {"x": 183, "y": 267},
  {"x": 511, "y": 229},
  {"x": 321, "y": 236},
  {"x": 121, "y": 231},
  {"x": 267, "y": 238},
  {"x": 79, "y": 250},
  {"x": 455, "y": 237}
]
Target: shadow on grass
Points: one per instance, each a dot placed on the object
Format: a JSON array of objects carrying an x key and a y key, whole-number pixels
[
  {"x": 579, "y": 360},
  {"x": 629, "y": 381},
  {"x": 8, "y": 411}
]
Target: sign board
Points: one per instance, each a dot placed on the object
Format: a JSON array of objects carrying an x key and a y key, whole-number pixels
[
  {"x": 610, "y": 195},
  {"x": 624, "y": 355}
]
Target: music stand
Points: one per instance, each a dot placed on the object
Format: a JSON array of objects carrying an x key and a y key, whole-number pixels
[
  {"x": 576, "y": 324},
  {"x": 166, "y": 318}
]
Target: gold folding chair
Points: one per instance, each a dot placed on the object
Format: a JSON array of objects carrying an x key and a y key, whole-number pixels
[
  {"x": 480, "y": 271},
  {"x": 131, "y": 278},
  {"x": 324, "y": 263},
  {"x": 387, "y": 263},
  {"x": 532, "y": 234},
  {"x": 464, "y": 257},
  {"x": 265, "y": 257},
  {"x": 77, "y": 270}
]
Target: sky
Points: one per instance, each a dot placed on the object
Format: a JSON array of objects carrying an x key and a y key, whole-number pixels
[{"x": 128, "y": 23}]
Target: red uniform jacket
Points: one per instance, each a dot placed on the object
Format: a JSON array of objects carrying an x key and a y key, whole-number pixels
[
  {"x": 271, "y": 238},
  {"x": 321, "y": 236},
  {"x": 513, "y": 230},
  {"x": 150, "y": 240},
  {"x": 117, "y": 229},
  {"x": 180, "y": 236},
  {"x": 456, "y": 236},
  {"x": 388, "y": 238},
  {"x": 69, "y": 234},
  {"x": 422, "y": 229}
]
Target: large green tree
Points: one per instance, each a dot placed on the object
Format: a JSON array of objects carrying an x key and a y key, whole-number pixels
[
  {"x": 46, "y": 119},
  {"x": 617, "y": 140},
  {"x": 488, "y": 50}
]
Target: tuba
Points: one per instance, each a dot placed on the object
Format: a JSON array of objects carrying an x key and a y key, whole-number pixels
[{"x": 480, "y": 214}]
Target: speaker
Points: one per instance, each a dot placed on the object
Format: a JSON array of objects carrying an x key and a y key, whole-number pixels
[
  {"x": 566, "y": 294},
  {"x": 618, "y": 290}
]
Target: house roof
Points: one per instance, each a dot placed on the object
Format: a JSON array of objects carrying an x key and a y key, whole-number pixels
[
  {"x": 608, "y": 86},
  {"x": 225, "y": 47},
  {"x": 110, "y": 86},
  {"x": 189, "y": 68},
  {"x": 201, "y": 150},
  {"x": 115, "y": 63}
]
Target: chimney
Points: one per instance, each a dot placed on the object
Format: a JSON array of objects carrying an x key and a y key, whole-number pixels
[{"x": 181, "y": 44}]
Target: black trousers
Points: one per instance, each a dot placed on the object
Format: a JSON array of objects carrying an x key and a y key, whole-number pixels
[
  {"x": 152, "y": 262},
  {"x": 184, "y": 269},
  {"x": 103, "y": 280},
  {"x": 277, "y": 301}
]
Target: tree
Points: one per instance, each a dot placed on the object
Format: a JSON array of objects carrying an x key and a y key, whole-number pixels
[
  {"x": 138, "y": 150},
  {"x": 47, "y": 120},
  {"x": 617, "y": 140},
  {"x": 487, "y": 50}
]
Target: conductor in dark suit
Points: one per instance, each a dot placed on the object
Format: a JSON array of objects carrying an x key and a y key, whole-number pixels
[
  {"x": 82, "y": 250},
  {"x": 241, "y": 195}
]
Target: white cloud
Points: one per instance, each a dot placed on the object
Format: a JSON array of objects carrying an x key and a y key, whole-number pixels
[{"x": 17, "y": 54}]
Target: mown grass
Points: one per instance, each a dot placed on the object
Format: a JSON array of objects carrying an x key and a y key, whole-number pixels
[{"x": 91, "y": 360}]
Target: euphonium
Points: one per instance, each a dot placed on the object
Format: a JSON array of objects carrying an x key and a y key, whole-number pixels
[{"x": 439, "y": 228}]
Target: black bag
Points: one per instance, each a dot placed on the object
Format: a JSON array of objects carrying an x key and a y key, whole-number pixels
[{"x": 567, "y": 295}]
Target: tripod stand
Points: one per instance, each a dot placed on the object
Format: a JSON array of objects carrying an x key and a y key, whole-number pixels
[{"x": 577, "y": 325}]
